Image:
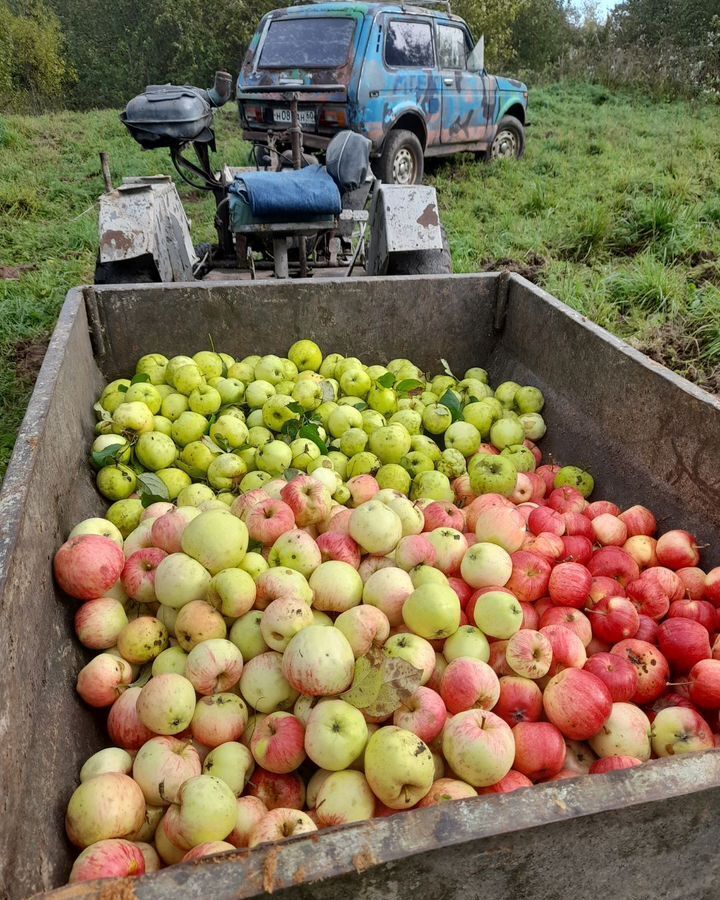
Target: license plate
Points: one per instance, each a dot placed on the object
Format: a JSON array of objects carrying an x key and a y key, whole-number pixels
[{"x": 283, "y": 117}]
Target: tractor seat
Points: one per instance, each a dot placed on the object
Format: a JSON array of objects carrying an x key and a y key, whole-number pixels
[{"x": 289, "y": 196}]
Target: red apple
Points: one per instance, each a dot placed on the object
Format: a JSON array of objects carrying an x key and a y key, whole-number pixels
[
  {"x": 530, "y": 576},
  {"x": 481, "y": 505},
  {"x": 576, "y": 548},
  {"x": 520, "y": 700},
  {"x": 600, "y": 508},
  {"x": 602, "y": 586},
  {"x": 677, "y": 549},
  {"x": 548, "y": 473},
  {"x": 511, "y": 782},
  {"x": 712, "y": 586},
  {"x": 529, "y": 653},
  {"x": 578, "y": 524},
  {"x": 87, "y": 566},
  {"x": 539, "y": 750},
  {"x": 683, "y": 642},
  {"x": 442, "y": 514},
  {"x": 277, "y": 791},
  {"x": 569, "y": 618},
  {"x": 650, "y": 664},
  {"x": 613, "y": 619},
  {"x": 647, "y": 630},
  {"x": 548, "y": 545},
  {"x": 546, "y": 519},
  {"x": 339, "y": 547},
  {"x": 578, "y": 703},
  {"x": 267, "y": 520},
  {"x": 609, "y": 530},
  {"x": 614, "y": 562},
  {"x": 694, "y": 580},
  {"x": 138, "y": 574},
  {"x": 671, "y": 698},
  {"x": 497, "y": 661},
  {"x": 463, "y": 590},
  {"x": 698, "y": 610},
  {"x": 705, "y": 683},
  {"x": 613, "y": 764},
  {"x": 618, "y": 674},
  {"x": 567, "y": 499},
  {"x": 569, "y": 585},
  {"x": 639, "y": 520},
  {"x": 530, "y": 616},
  {"x": 568, "y": 651},
  {"x": 469, "y": 683}
]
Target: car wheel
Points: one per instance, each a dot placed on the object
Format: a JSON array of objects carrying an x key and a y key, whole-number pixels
[
  {"x": 401, "y": 161},
  {"x": 509, "y": 141},
  {"x": 422, "y": 262}
]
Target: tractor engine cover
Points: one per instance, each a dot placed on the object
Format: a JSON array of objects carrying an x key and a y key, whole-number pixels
[{"x": 166, "y": 115}]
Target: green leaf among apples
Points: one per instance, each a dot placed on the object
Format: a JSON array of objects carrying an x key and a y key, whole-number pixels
[
  {"x": 450, "y": 400},
  {"x": 152, "y": 489},
  {"x": 139, "y": 378},
  {"x": 387, "y": 380},
  {"x": 381, "y": 683}
]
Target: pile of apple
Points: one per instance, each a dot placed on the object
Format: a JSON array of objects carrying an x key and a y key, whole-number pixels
[
  {"x": 292, "y": 657},
  {"x": 188, "y": 428}
]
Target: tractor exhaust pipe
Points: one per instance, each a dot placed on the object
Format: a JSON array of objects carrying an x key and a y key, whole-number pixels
[{"x": 221, "y": 90}]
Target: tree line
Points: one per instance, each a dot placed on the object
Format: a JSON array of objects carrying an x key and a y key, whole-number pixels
[{"x": 85, "y": 54}]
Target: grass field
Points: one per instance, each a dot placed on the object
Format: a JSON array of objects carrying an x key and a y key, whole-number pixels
[{"x": 615, "y": 210}]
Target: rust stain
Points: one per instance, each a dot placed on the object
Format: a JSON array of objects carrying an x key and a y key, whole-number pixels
[
  {"x": 299, "y": 876},
  {"x": 429, "y": 216},
  {"x": 116, "y": 240},
  {"x": 364, "y": 860},
  {"x": 269, "y": 870},
  {"x": 122, "y": 889}
]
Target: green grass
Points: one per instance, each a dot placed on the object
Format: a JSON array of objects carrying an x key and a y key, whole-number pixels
[{"x": 614, "y": 209}]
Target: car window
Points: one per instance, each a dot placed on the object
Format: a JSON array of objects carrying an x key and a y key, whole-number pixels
[
  {"x": 312, "y": 42},
  {"x": 451, "y": 48},
  {"x": 409, "y": 44}
]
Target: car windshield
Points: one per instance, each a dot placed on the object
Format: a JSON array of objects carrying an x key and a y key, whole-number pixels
[{"x": 308, "y": 43}]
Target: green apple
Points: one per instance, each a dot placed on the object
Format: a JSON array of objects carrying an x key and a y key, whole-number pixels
[
  {"x": 242, "y": 371},
  {"x": 533, "y": 425},
  {"x": 169, "y": 661},
  {"x": 226, "y": 472},
  {"x": 346, "y": 364},
  {"x": 144, "y": 393},
  {"x": 247, "y": 636},
  {"x": 259, "y": 435},
  {"x": 195, "y": 494},
  {"x": 273, "y": 457},
  {"x": 207, "y": 811},
  {"x": 174, "y": 405},
  {"x": 276, "y": 413},
  {"x": 270, "y": 369},
  {"x": 467, "y": 641},
  {"x": 125, "y": 515},
  {"x": 257, "y": 393},
  {"x": 375, "y": 527},
  {"x": 342, "y": 418},
  {"x": 529, "y": 400},
  {"x": 189, "y": 426},
  {"x": 231, "y": 762},
  {"x": 216, "y": 539},
  {"x": 303, "y": 452},
  {"x": 187, "y": 378},
  {"x": 572, "y": 476},
  {"x": 232, "y": 592},
  {"x": 433, "y": 485},
  {"x": 329, "y": 365},
  {"x": 505, "y": 392},
  {"x": 175, "y": 480},
  {"x": 416, "y": 462},
  {"x": 505, "y": 432},
  {"x": 372, "y": 420},
  {"x": 422, "y": 574},
  {"x": 205, "y": 400},
  {"x": 180, "y": 579},
  {"x": 492, "y": 475},
  {"x": 174, "y": 364},
  {"x": 254, "y": 480},
  {"x": 209, "y": 363},
  {"x": 123, "y": 448},
  {"x": 399, "y": 767},
  {"x": 436, "y": 418},
  {"x": 432, "y": 611},
  {"x": 116, "y": 482},
  {"x": 390, "y": 443},
  {"x": 410, "y": 419},
  {"x": 305, "y": 355},
  {"x": 355, "y": 383},
  {"x": 353, "y": 441},
  {"x": 132, "y": 418},
  {"x": 451, "y": 463},
  {"x": 309, "y": 394},
  {"x": 153, "y": 365},
  {"x": 335, "y": 735},
  {"x": 382, "y": 400},
  {"x": 520, "y": 456},
  {"x": 498, "y": 614},
  {"x": 323, "y": 411},
  {"x": 229, "y": 430},
  {"x": 442, "y": 383},
  {"x": 464, "y": 437},
  {"x": 393, "y": 476},
  {"x": 155, "y": 451},
  {"x": 426, "y": 445},
  {"x": 231, "y": 390},
  {"x": 163, "y": 425}
]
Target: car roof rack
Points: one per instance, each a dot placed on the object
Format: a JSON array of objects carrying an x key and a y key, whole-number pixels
[{"x": 445, "y": 4}]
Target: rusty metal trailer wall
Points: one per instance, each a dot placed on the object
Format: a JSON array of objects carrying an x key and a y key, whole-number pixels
[{"x": 647, "y": 436}]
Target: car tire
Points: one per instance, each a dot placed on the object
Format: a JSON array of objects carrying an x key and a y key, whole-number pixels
[
  {"x": 422, "y": 262},
  {"x": 401, "y": 160},
  {"x": 509, "y": 140}
]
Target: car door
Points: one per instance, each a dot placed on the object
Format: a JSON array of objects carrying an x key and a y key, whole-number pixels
[{"x": 468, "y": 98}]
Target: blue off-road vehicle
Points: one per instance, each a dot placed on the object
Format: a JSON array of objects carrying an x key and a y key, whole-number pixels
[{"x": 409, "y": 78}]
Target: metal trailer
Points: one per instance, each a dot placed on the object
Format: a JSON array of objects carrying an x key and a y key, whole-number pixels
[{"x": 648, "y": 437}]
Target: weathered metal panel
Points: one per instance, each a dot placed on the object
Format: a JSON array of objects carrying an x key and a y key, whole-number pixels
[{"x": 647, "y": 435}]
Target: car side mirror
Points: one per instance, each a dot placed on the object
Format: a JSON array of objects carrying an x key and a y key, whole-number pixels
[{"x": 476, "y": 59}]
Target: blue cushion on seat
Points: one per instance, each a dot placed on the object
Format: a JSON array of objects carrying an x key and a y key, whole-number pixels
[{"x": 289, "y": 194}]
